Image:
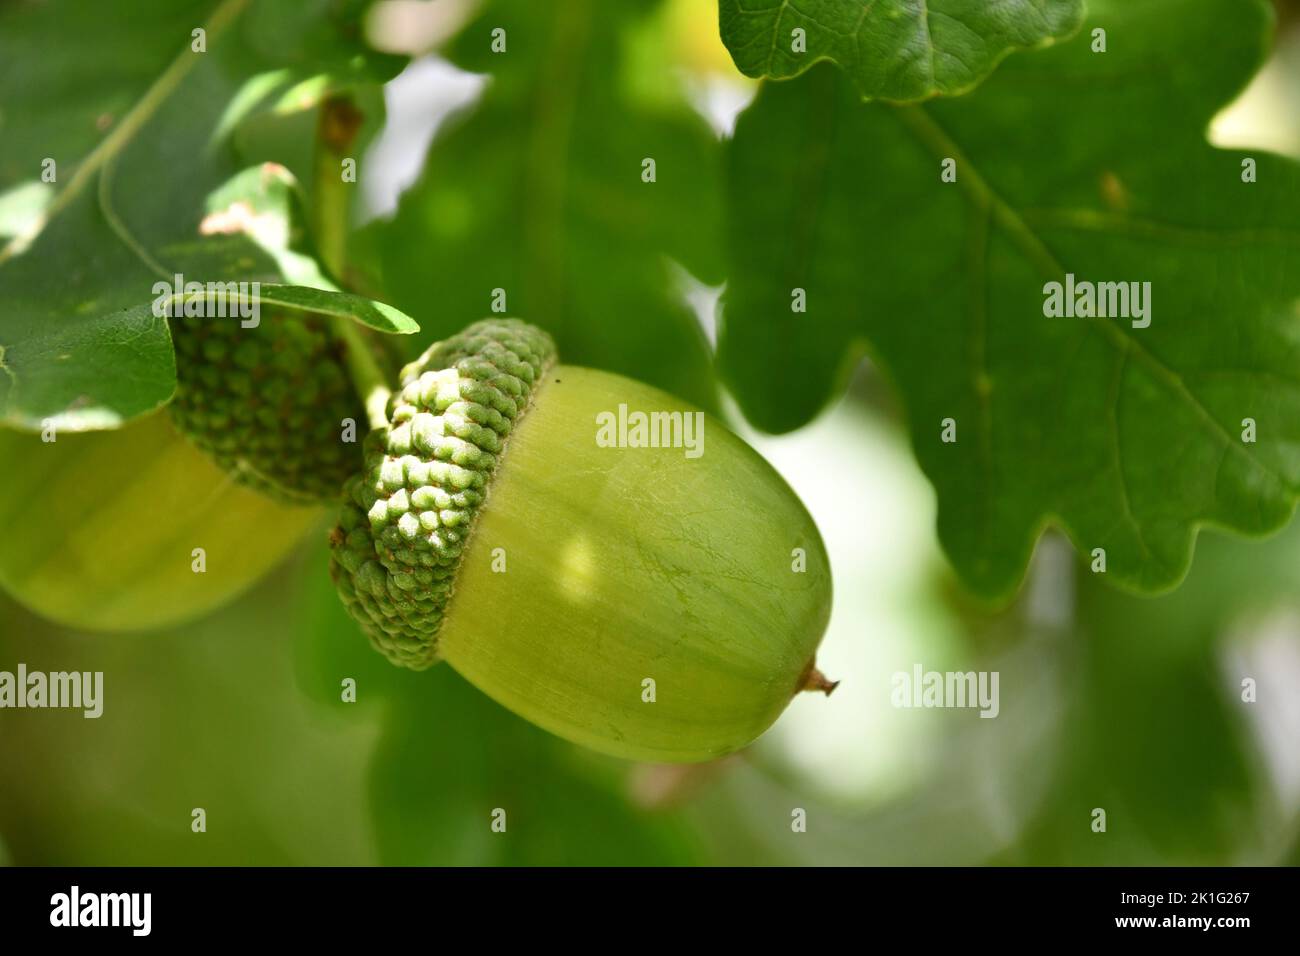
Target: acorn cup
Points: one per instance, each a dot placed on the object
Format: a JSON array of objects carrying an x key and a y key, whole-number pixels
[
  {"x": 603, "y": 560},
  {"x": 266, "y": 402}
]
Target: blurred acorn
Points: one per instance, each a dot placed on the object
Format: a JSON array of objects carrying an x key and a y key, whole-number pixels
[{"x": 100, "y": 528}]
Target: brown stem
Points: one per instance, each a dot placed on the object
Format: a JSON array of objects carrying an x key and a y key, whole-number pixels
[{"x": 813, "y": 679}]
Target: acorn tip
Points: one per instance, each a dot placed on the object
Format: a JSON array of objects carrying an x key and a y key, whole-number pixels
[{"x": 816, "y": 680}]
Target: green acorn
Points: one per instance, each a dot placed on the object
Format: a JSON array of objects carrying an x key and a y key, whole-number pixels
[
  {"x": 268, "y": 402},
  {"x": 100, "y": 528},
  {"x": 658, "y": 603}
]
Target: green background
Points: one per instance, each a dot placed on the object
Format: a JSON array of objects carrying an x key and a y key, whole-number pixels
[{"x": 1108, "y": 700}]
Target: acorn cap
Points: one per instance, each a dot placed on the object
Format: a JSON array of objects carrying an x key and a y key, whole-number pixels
[
  {"x": 407, "y": 517},
  {"x": 267, "y": 402}
]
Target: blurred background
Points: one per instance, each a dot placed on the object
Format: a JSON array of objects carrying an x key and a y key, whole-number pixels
[{"x": 1110, "y": 701}]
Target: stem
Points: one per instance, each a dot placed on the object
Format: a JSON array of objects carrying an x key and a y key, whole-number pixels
[
  {"x": 367, "y": 377},
  {"x": 336, "y": 131},
  {"x": 814, "y": 680}
]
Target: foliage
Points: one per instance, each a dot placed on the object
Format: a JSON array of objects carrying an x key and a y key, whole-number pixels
[
  {"x": 892, "y": 49},
  {"x": 1066, "y": 160},
  {"x": 1128, "y": 437}
]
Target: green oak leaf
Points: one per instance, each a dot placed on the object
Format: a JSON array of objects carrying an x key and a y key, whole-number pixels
[
  {"x": 306, "y": 299},
  {"x": 64, "y": 82},
  {"x": 901, "y": 50},
  {"x": 46, "y": 371},
  {"x": 1067, "y": 161},
  {"x": 538, "y": 190},
  {"x": 137, "y": 151}
]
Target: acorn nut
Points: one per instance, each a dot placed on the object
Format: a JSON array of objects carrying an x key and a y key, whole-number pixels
[
  {"x": 102, "y": 529},
  {"x": 540, "y": 527}
]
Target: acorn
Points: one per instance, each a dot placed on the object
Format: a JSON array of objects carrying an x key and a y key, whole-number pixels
[
  {"x": 594, "y": 554},
  {"x": 132, "y": 529}
]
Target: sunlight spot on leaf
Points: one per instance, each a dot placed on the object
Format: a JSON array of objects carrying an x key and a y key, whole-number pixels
[{"x": 22, "y": 211}]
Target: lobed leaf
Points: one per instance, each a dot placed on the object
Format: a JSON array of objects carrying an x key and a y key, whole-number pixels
[
  {"x": 898, "y": 50},
  {"x": 128, "y": 147},
  {"x": 1068, "y": 161}
]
